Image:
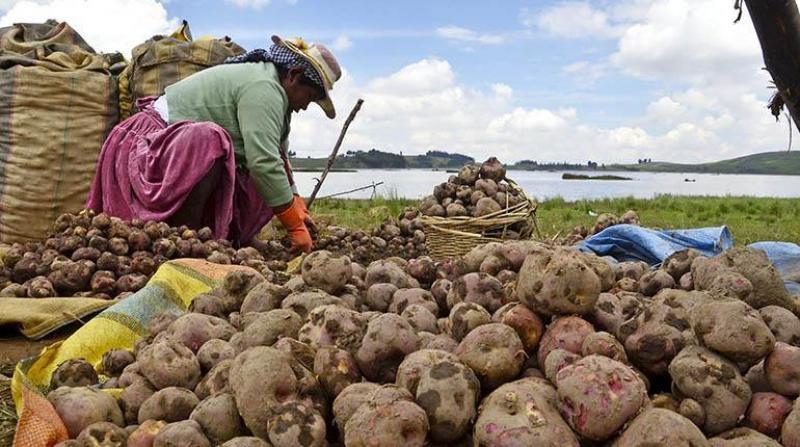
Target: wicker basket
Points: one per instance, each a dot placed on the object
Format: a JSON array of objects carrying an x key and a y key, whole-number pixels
[{"x": 451, "y": 237}]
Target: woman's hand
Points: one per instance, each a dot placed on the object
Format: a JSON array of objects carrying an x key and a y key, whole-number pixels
[{"x": 293, "y": 217}]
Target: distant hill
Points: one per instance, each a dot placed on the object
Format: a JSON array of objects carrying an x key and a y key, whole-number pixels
[
  {"x": 770, "y": 163},
  {"x": 375, "y": 159}
]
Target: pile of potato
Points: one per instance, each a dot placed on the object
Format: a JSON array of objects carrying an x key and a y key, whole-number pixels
[
  {"x": 518, "y": 343},
  {"x": 99, "y": 256},
  {"x": 401, "y": 237},
  {"x": 476, "y": 191}
]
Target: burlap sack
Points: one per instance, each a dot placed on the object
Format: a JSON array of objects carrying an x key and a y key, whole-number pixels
[
  {"x": 58, "y": 101},
  {"x": 164, "y": 60}
]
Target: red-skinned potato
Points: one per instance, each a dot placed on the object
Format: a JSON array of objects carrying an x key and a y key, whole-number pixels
[
  {"x": 145, "y": 434},
  {"x": 767, "y": 412}
]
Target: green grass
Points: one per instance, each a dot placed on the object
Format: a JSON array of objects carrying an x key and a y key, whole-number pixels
[{"x": 749, "y": 219}]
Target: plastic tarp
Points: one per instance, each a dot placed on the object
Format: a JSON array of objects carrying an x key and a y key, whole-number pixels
[
  {"x": 785, "y": 256},
  {"x": 634, "y": 243}
]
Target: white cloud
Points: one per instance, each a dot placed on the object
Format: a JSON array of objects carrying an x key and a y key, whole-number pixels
[
  {"x": 457, "y": 33},
  {"x": 107, "y": 25},
  {"x": 585, "y": 72},
  {"x": 573, "y": 20},
  {"x": 341, "y": 43},
  {"x": 424, "y": 106},
  {"x": 255, "y": 4}
]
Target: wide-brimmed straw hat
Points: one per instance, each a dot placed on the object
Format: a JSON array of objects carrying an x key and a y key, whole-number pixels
[{"x": 323, "y": 62}]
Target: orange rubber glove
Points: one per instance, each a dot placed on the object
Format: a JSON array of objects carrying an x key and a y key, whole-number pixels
[
  {"x": 300, "y": 203},
  {"x": 293, "y": 219}
]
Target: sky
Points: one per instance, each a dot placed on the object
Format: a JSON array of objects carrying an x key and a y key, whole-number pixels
[{"x": 604, "y": 80}]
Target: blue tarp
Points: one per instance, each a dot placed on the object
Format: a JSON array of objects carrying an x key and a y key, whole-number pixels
[
  {"x": 785, "y": 256},
  {"x": 633, "y": 243}
]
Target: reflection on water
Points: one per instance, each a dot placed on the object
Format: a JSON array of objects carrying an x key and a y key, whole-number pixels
[{"x": 416, "y": 183}]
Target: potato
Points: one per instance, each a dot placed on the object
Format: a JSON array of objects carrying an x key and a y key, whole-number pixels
[
  {"x": 660, "y": 427},
  {"x": 598, "y": 395},
  {"x": 333, "y": 325},
  {"x": 757, "y": 379},
  {"x": 520, "y": 413},
  {"x": 692, "y": 410},
  {"x": 488, "y": 186},
  {"x": 653, "y": 282},
  {"x": 604, "y": 221},
  {"x": 207, "y": 305},
  {"x": 557, "y": 360},
  {"x": 767, "y": 412},
  {"x": 304, "y": 302},
  {"x": 73, "y": 372},
  {"x": 464, "y": 317},
  {"x": 268, "y": 327},
  {"x": 169, "y": 363},
  {"x": 144, "y": 434},
  {"x": 181, "y": 434},
  {"x": 528, "y": 325},
  {"x": 420, "y": 318},
  {"x": 479, "y": 288},
  {"x": 605, "y": 344},
  {"x": 484, "y": 206},
  {"x": 388, "y": 339},
  {"x": 783, "y": 323},
  {"x": 790, "y": 433},
  {"x": 386, "y": 422},
  {"x": 492, "y": 169},
  {"x": 171, "y": 404},
  {"x": 322, "y": 270},
  {"x": 379, "y": 296},
  {"x": 263, "y": 378},
  {"x": 160, "y": 322},
  {"x": 235, "y": 287},
  {"x": 103, "y": 434},
  {"x": 767, "y": 284},
  {"x": 686, "y": 282},
  {"x": 132, "y": 282},
  {"x": 630, "y": 269},
  {"x": 114, "y": 361},
  {"x": 264, "y": 297},
  {"x": 441, "y": 342},
  {"x": 350, "y": 399},
  {"x": 81, "y": 407},
  {"x": 713, "y": 382},
  {"x": 660, "y": 331},
  {"x": 782, "y": 369},
  {"x": 336, "y": 369},
  {"x": 494, "y": 351},
  {"x": 246, "y": 441},
  {"x": 455, "y": 210},
  {"x": 71, "y": 278},
  {"x": 566, "y": 333},
  {"x": 403, "y": 298},
  {"x": 680, "y": 263},
  {"x": 742, "y": 437},
  {"x": 214, "y": 351},
  {"x": 417, "y": 364},
  {"x": 468, "y": 175},
  {"x": 135, "y": 390},
  {"x": 219, "y": 418},
  {"x": 449, "y": 393},
  {"x": 733, "y": 329},
  {"x": 302, "y": 352},
  {"x": 194, "y": 330},
  {"x": 40, "y": 287},
  {"x": 215, "y": 381},
  {"x": 296, "y": 423},
  {"x": 557, "y": 283},
  {"x": 385, "y": 271},
  {"x": 630, "y": 218}
]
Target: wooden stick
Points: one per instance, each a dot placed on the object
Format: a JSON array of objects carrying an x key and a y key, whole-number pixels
[{"x": 332, "y": 157}]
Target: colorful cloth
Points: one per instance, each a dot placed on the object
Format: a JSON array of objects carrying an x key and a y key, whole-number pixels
[
  {"x": 280, "y": 55},
  {"x": 171, "y": 289},
  {"x": 147, "y": 168}
]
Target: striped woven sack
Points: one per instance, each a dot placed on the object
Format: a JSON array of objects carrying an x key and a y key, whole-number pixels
[
  {"x": 164, "y": 60},
  {"x": 58, "y": 101}
]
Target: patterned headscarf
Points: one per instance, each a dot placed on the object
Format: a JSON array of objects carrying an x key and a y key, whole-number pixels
[{"x": 280, "y": 55}]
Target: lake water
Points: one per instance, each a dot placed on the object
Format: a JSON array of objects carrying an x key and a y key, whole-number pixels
[{"x": 416, "y": 183}]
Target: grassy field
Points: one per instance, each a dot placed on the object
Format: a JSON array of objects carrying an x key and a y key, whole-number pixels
[{"x": 749, "y": 219}]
